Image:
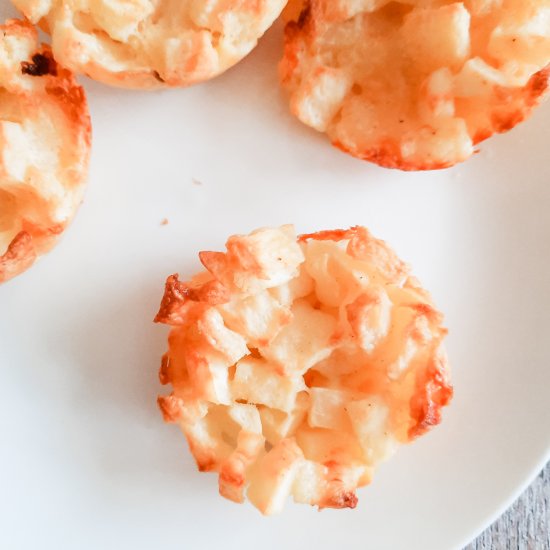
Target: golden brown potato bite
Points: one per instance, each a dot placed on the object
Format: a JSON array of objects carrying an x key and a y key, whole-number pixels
[{"x": 297, "y": 365}]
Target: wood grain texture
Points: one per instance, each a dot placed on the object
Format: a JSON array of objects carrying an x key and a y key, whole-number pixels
[{"x": 526, "y": 525}]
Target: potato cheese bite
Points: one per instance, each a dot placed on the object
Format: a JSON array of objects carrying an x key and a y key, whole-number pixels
[
  {"x": 44, "y": 148},
  {"x": 415, "y": 84},
  {"x": 297, "y": 365},
  {"x": 151, "y": 43}
]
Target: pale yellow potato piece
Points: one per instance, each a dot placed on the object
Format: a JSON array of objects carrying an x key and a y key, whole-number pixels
[
  {"x": 304, "y": 341},
  {"x": 318, "y": 100},
  {"x": 369, "y": 317},
  {"x": 271, "y": 483},
  {"x": 258, "y": 381},
  {"x": 338, "y": 277},
  {"x": 259, "y": 317},
  {"x": 370, "y": 420},
  {"x": 438, "y": 36},
  {"x": 277, "y": 424},
  {"x": 298, "y": 287},
  {"x": 249, "y": 446},
  {"x": 309, "y": 483},
  {"x": 328, "y": 409},
  {"x": 264, "y": 259}
]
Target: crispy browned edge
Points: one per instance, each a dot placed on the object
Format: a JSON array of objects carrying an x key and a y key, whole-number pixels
[
  {"x": 515, "y": 105},
  {"x": 433, "y": 392},
  {"x": 61, "y": 88}
]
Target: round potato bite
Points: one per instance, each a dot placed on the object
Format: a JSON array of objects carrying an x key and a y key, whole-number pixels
[
  {"x": 152, "y": 43},
  {"x": 415, "y": 84},
  {"x": 45, "y": 138},
  {"x": 297, "y": 365}
]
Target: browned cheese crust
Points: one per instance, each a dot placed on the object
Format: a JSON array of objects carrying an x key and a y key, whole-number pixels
[
  {"x": 45, "y": 138},
  {"x": 415, "y": 84},
  {"x": 297, "y": 365}
]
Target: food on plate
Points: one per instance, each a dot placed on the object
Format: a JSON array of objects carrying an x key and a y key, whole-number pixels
[
  {"x": 415, "y": 84},
  {"x": 150, "y": 44},
  {"x": 44, "y": 148},
  {"x": 297, "y": 365}
]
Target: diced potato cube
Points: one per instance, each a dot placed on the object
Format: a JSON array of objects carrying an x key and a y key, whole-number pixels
[
  {"x": 299, "y": 287},
  {"x": 369, "y": 317},
  {"x": 338, "y": 277},
  {"x": 369, "y": 418},
  {"x": 404, "y": 359},
  {"x": 324, "y": 445},
  {"x": 378, "y": 259},
  {"x": 306, "y": 340},
  {"x": 212, "y": 329},
  {"x": 120, "y": 19},
  {"x": 320, "y": 97},
  {"x": 277, "y": 425},
  {"x": 203, "y": 434},
  {"x": 437, "y": 99},
  {"x": 410, "y": 332},
  {"x": 327, "y": 409},
  {"x": 258, "y": 317},
  {"x": 272, "y": 483},
  {"x": 477, "y": 78},
  {"x": 450, "y": 139},
  {"x": 209, "y": 377},
  {"x": 310, "y": 483},
  {"x": 263, "y": 259},
  {"x": 246, "y": 416},
  {"x": 233, "y": 471},
  {"x": 437, "y": 36},
  {"x": 257, "y": 381},
  {"x": 523, "y": 42}
]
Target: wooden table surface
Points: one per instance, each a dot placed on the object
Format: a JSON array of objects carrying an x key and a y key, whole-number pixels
[{"x": 526, "y": 525}]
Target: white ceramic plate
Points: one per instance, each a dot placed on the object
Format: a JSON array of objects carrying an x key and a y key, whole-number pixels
[{"x": 85, "y": 460}]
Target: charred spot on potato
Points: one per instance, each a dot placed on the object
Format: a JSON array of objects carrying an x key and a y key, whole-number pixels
[
  {"x": 157, "y": 76},
  {"x": 39, "y": 66},
  {"x": 304, "y": 16},
  {"x": 540, "y": 81}
]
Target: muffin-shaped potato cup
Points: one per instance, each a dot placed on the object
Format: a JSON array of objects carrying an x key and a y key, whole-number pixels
[
  {"x": 45, "y": 139},
  {"x": 297, "y": 365},
  {"x": 151, "y": 44},
  {"x": 415, "y": 84}
]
